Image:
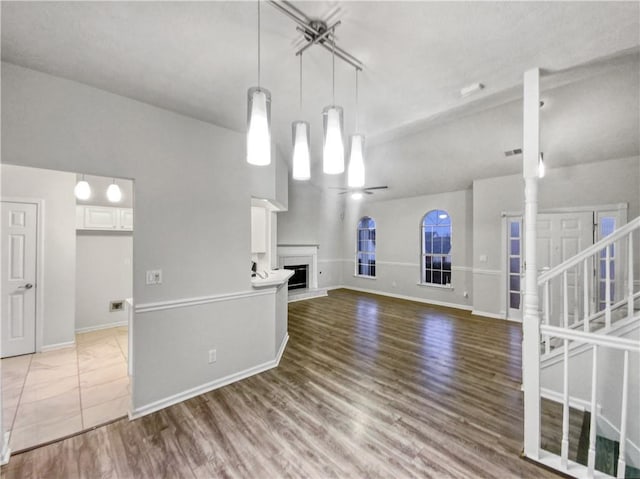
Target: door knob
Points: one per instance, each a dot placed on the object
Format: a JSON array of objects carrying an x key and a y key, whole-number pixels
[{"x": 26, "y": 286}]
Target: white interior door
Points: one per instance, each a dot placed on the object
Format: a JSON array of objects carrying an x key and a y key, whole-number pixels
[
  {"x": 561, "y": 236},
  {"x": 19, "y": 230}
]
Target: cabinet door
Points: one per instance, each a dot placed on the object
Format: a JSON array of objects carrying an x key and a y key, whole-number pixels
[
  {"x": 126, "y": 219},
  {"x": 258, "y": 230},
  {"x": 100, "y": 218}
]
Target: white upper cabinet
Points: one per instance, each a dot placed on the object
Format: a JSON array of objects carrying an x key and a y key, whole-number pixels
[{"x": 104, "y": 218}]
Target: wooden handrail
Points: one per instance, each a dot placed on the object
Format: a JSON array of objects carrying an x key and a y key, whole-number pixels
[{"x": 591, "y": 250}]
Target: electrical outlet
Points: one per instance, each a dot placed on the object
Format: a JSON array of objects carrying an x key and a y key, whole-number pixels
[
  {"x": 212, "y": 356},
  {"x": 154, "y": 276}
]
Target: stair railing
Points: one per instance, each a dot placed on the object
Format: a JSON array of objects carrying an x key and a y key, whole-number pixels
[
  {"x": 581, "y": 329},
  {"x": 579, "y": 273},
  {"x": 596, "y": 341}
]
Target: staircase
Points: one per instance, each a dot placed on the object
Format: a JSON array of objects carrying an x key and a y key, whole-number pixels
[{"x": 588, "y": 360}]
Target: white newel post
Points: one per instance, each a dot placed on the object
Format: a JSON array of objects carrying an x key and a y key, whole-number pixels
[{"x": 531, "y": 319}]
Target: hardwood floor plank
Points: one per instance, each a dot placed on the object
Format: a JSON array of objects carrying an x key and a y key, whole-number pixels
[{"x": 368, "y": 386}]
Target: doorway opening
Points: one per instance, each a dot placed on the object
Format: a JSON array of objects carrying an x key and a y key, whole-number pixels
[{"x": 68, "y": 296}]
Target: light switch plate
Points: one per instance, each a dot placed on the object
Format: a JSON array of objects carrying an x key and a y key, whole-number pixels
[{"x": 154, "y": 276}]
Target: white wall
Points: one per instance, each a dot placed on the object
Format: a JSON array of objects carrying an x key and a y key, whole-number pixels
[
  {"x": 59, "y": 255},
  {"x": 591, "y": 184},
  {"x": 103, "y": 274},
  {"x": 192, "y": 220},
  {"x": 398, "y": 246}
]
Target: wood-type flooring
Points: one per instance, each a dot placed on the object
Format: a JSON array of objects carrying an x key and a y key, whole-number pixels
[{"x": 368, "y": 387}]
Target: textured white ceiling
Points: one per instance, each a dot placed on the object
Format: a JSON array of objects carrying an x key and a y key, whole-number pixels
[{"x": 199, "y": 58}]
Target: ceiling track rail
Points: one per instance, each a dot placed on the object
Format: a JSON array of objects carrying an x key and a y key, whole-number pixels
[{"x": 316, "y": 32}]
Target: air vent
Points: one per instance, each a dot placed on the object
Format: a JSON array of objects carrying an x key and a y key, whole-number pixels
[{"x": 517, "y": 151}]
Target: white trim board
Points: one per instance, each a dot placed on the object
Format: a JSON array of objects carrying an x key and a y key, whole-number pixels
[
  {"x": 186, "y": 302},
  {"x": 408, "y": 298},
  {"x": 99, "y": 327},
  {"x": 53, "y": 347},
  {"x": 486, "y": 314},
  {"x": 210, "y": 386},
  {"x": 6, "y": 450}
]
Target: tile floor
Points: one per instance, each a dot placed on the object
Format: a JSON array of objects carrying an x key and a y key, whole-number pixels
[{"x": 46, "y": 396}]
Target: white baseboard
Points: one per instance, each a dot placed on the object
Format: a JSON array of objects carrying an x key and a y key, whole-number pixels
[
  {"x": 210, "y": 386},
  {"x": 53, "y": 347},
  {"x": 316, "y": 293},
  {"x": 608, "y": 430},
  {"x": 486, "y": 314},
  {"x": 408, "y": 298},
  {"x": 6, "y": 450},
  {"x": 88, "y": 329}
]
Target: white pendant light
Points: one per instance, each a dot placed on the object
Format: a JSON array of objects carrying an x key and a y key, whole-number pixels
[
  {"x": 301, "y": 155},
  {"x": 114, "y": 193},
  {"x": 541, "y": 171},
  {"x": 355, "y": 174},
  {"x": 333, "y": 146},
  {"x": 333, "y": 150},
  {"x": 356, "y": 162},
  {"x": 301, "y": 152},
  {"x": 259, "y": 119},
  {"x": 82, "y": 190}
]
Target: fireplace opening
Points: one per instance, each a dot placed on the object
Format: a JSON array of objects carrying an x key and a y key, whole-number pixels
[{"x": 300, "y": 277}]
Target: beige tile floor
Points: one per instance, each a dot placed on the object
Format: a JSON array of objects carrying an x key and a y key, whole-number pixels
[{"x": 46, "y": 396}]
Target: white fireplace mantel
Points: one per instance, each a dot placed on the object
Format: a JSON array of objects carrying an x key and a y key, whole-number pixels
[{"x": 291, "y": 255}]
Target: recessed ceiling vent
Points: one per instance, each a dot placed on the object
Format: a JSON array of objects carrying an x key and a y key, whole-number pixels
[{"x": 517, "y": 151}]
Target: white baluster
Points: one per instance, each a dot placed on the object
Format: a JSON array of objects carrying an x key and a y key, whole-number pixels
[
  {"x": 564, "y": 449},
  {"x": 547, "y": 292},
  {"x": 565, "y": 299},
  {"x": 607, "y": 288},
  {"x": 623, "y": 417},
  {"x": 576, "y": 309},
  {"x": 591, "y": 462},
  {"x": 585, "y": 294},
  {"x": 630, "y": 275}
]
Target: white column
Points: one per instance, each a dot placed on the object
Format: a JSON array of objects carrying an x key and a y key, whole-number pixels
[
  {"x": 5, "y": 452},
  {"x": 531, "y": 319}
]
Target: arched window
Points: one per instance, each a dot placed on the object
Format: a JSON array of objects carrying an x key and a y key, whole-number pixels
[
  {"x": 436, "y": 248},
  {"x": 366, "y": 247}
]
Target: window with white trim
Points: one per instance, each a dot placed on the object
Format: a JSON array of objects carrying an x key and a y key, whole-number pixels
[
  {"x": 366, "y": 247},
  {"x": 436, "y": 248}
]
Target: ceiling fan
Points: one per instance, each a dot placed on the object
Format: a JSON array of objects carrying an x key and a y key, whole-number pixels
[{"x": 356, "y": 191}]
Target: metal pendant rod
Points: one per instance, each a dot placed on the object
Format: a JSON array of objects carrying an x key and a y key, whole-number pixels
[
  {"x": 296, "y": 9},
  {"x": 304, "y": 23},
  {"x": 322, "y": 36},
  {"x": 339, "y": 53}
]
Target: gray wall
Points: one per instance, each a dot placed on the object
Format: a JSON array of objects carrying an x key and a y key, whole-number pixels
[
  {"x": 315, "y": 216},
  {"x": 103, "y": 274},
  {"x": 398, "y": 246},
  {"x": 192, "y": 219},
  {"x": 59, "y": 255}
]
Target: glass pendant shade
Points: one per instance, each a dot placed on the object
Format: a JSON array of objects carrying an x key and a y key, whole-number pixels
[
  {"x": 82, "y": 190},
  {"x": 301, "y": 155},
  {"x": 114, "y": 193},
  {"x": 355, "y": 177},
  {"x": 259, "y": 127},
  {"x": 333, "y": 146}
]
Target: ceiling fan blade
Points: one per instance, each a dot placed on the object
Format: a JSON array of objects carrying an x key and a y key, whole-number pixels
[
  {"x": 338, "y": 188},
  {"x": 377, "y": 188},
  {"x": 343, "y": 193},
  {"x": 367, "y": 192}
]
